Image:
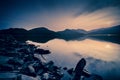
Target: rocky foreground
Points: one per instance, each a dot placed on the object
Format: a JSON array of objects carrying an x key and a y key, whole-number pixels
[{"x": 22, "y": 61}]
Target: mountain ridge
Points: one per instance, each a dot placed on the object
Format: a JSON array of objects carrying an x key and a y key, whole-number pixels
[
  {"x": 110, "y": 30},
  {"x": 45, "y": 34}
]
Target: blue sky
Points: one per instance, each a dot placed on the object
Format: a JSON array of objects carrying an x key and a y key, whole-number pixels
[{"x": 59, "y": 14}]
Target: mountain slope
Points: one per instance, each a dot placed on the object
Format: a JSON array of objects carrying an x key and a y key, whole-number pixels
[
  {"x": 71, "y": 34},
  {"x": 112, "y": 30},
  {"x": 111, "y": 34},
  {"x": 41, "y": 34},
  {"x": 18, "y": 33}
]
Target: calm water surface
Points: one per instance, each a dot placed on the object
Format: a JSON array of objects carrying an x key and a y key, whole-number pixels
[{"x": 102, "y": 57}]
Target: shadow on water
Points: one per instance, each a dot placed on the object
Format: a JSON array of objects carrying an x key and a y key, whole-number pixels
[
  {"x": 46, "y": 39},
  {"x": 113, "y": 39}
]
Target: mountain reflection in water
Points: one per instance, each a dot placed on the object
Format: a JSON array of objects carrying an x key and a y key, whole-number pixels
[{"x": 102, "y": 57}]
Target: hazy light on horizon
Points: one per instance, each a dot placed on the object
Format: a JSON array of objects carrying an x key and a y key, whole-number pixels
[
  {"x": 102, "y": 18},
  {"x": 60, "y": 14}
]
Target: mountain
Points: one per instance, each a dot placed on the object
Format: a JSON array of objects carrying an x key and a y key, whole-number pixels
[
  {"x": 37, "y": 34},
  {"x": 71, "y": 34},
  {"x": 41, "y": 34},
  {"x": 18, "y": 33},
  {"x": 80, "y": 31},
  {"x": 115, "y": 30},
  {"x": 111, "y": 34},
  {"x": 14, "y": 31}
]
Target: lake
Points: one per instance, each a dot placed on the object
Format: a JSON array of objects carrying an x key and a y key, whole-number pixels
[{"x": 102, "y": 57}]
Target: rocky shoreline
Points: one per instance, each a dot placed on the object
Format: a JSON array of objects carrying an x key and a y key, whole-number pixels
[{"x": 21, "y": 59}]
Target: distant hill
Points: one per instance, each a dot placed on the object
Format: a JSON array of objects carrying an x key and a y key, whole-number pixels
[
  {"x": 111, "y": 30},
  {"x": 43, "y": 34},
  {"x": 18, "y": 33},
  {"x": 111, "y": 34},
  {"x": 71, "y": 33},
  {"x": 41, "y": 31}
]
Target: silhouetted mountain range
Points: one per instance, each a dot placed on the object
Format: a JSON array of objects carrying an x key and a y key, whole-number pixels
[
  {"x": 111, "y": 34},
  {"x": 44, "y": 34},
  {"x": 111, "y": 30},
  {"x": 71, "y": 34}
]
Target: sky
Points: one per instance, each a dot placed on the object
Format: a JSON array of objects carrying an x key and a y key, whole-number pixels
[{"x": 59, "y": 14}]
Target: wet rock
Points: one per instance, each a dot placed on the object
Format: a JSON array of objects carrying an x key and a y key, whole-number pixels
[
  {"x": 24, "y": 51},
  {"x": 15, "y": 61},
  {"x": 28, "y": 71},
  {"x": 11, "y": 54},
  {"x": 65, "y": 68},
  {"x": 70, "y": 71},
  {"x": 6, "y": 67},
  {"x": 42, "y": 51},
  {"x": 25, "y": 61},
  {"x": 10, "y": 76}
]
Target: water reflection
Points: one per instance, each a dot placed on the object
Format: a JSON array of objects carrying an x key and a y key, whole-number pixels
[
  {"x": 102, "y": 57},
  {"x": 88, "y": 48}
]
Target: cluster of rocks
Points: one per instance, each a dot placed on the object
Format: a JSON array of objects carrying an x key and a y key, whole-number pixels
[
  {"x": 24, "y": 59},
  {"x": 21, "y": 59}
]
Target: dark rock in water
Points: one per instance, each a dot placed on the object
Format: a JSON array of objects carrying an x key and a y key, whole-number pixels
[
  {"x": 79, "y": 68},
  {"x": 32, "y": 46},
  {"x": 21, "y": 45},
  {"x": 10, "y": 76},
  {"x": 80, "y": 65},
  {"x": 6, "y": 67},
  {"x": 55, "y": 68},
  {"x": 65, "y": 68},
  {"x": 14, "y": 54},
  {"x": 85, "y": 73},
  {"x": 25, "y": 51},
  {"x": 70, "y": 71},
  {"x": 36, "y": 59},
  {"x": 38, "y": 66},
  {"x": 28, "y": 58},
  {"x": 11, "y": 54},
  {"x": 3, "y": 50},
  {"x": 28, "y": 71},
  {"x": 15, "y": 62},
  {"x": 42, "y": 51}
]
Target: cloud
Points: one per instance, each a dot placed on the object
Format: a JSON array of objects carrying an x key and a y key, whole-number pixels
[
  {"x": 93, "y": 5},
  {"x": 56, "y": 14}
]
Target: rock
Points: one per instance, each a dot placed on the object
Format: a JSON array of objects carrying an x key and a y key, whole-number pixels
[
  {"x": 70, "y": 71},
  {"x": 15, "y": 61},
  {"x": 42, "y": 51},
  {"x": 6, "y": 67}
]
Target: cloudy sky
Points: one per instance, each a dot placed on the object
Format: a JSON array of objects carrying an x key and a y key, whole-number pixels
[{"x": 59, "y": 14}]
